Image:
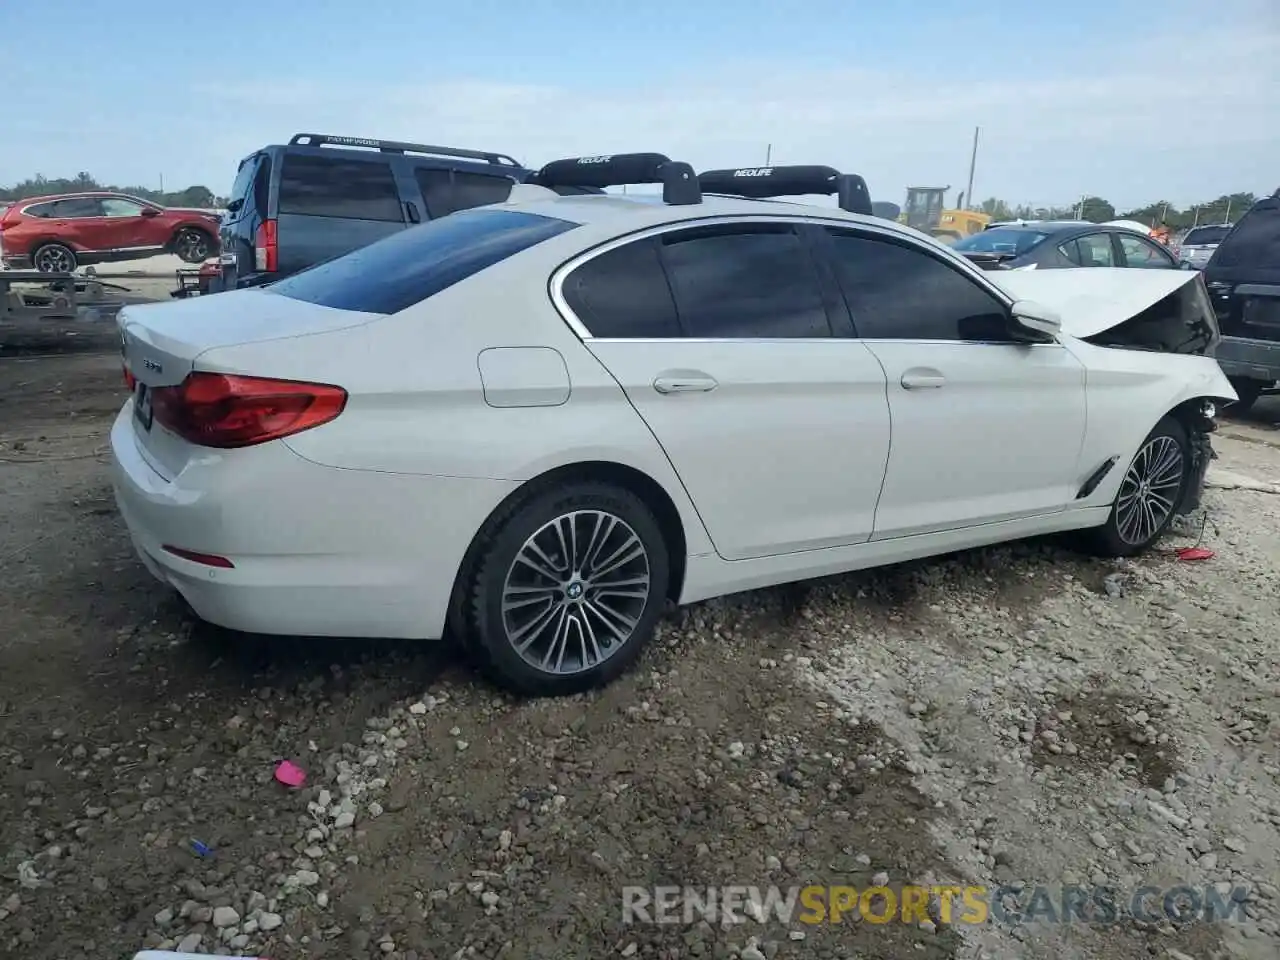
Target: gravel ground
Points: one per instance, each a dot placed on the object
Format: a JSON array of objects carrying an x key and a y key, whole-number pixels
[{"x": 1018, "y": 716}]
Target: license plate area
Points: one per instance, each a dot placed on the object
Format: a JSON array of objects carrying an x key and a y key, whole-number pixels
[{"x": 142, "y": 411}]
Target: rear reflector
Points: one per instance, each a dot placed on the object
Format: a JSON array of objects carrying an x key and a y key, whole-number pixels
[
  {"x": 130, "y": 380},
  {"x": 208, "y": 559},
  {"x": 226, "y": 411}
]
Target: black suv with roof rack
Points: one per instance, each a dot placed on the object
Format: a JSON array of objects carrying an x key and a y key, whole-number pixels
[
  {"x": 1243, "y": 277},
  {"x": 319, "y": 196}
]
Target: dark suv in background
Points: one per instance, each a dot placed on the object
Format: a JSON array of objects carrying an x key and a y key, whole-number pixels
[
  {"x": 1243, "y": 277},
  {"x": 294, "y": 205}
]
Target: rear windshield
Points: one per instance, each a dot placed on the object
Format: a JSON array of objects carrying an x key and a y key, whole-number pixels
[
  {"x": 1201, "y": 235},
  {"x": 1252, "y": 251},
  {"x": 1000, "y": 240},
  {"x": 411, "y": 265}
]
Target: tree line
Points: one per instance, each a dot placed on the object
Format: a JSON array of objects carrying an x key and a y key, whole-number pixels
[
  {"x": 1228, "y": 208},
  {"x": 40, "y": 186}
]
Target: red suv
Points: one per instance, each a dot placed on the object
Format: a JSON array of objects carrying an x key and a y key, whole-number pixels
[{"x": 58, "y": 234}]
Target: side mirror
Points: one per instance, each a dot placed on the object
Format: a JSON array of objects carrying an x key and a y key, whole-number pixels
[
  {"x": 150, "y": 212},
  {"x": 1036, "y": 318},
  {"x": 235, "y": 205}
]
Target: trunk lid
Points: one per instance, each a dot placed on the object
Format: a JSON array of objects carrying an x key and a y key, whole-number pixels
[{"x": 162, "y": 342}]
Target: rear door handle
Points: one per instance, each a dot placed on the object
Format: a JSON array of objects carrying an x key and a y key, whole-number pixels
[
  {"x": 922, "y": 378},
  {"x": 685, "y": 384}
]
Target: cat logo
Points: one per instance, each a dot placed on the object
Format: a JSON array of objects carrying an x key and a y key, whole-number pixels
[
  {"x": 754, "y": 172},
  {"x": 594, "y": 159}
]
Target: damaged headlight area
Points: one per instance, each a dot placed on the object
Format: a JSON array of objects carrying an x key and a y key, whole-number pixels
[{"x": 1182, "y": 322}]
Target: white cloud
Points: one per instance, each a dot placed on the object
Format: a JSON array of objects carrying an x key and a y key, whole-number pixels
[{"x": 1156, "y": 122}]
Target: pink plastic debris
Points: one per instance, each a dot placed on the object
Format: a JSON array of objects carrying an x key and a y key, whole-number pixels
[{"x": 290, "y": 774}]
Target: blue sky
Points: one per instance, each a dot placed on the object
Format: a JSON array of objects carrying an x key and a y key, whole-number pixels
[{"x": 1134, "y": 100}]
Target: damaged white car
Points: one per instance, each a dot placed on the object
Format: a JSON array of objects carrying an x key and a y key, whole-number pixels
[{"x": 535, "y": 423}]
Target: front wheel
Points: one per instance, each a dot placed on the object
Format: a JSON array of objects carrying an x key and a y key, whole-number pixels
[
  {"x": 567, "y": 589},
  {"x": 1153, "y": 485}
]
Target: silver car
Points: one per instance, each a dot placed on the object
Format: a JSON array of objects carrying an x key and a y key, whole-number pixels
[{"x": 1199, "y": 243}]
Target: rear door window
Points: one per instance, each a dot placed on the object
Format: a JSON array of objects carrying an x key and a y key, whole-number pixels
[
  {"x": 77, "y": 207},
  {"x": 624, "y": 293},
  {"x": 1094, "y": 250},
  {"x": 252, "y": 186},
  {"x": 448, "y": 191},
  {"x": 1200, "y": 236},
  {"x": 751, "y": 281},
  {"x": 411, "y": 265},
  {"x": 341, "y": 187}
]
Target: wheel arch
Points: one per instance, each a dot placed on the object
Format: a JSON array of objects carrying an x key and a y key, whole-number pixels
[{"x": 629, "y": 478}]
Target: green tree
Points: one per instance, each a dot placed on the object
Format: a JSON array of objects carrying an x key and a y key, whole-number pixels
[{"x": 1096, "y": 210}]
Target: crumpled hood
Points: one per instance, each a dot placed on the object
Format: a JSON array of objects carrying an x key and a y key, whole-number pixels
[{"x": 1093, "y": 299}]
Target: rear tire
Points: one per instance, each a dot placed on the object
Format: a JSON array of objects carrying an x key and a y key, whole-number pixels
[
  {"x": 192, "y": 245},
  {"x": 1153, "y": 486},
  {"x": 566, "y": 590},
  {"x": 54, "y": 258}
]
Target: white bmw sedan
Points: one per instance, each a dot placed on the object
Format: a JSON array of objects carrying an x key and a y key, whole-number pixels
[{"x": 533, "y": 424}]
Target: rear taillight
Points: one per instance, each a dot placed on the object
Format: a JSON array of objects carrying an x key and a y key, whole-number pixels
[
  {"x": 225, "y": 411},
  {"x": 130, "y": 380},
  {"x": 265, "y": 250}
]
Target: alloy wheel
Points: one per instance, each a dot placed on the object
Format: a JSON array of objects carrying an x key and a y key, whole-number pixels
[
  {"x": 575, "y": 592},
  {"x": 1149, "y": 490},
  {"x": 192, "y": 246},
  {"x": 54, "y": 260}
]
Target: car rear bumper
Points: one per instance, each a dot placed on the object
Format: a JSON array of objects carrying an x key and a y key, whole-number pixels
[
  {"x": 1249, "y": 358},
  {"x": 316, "y": 551}
]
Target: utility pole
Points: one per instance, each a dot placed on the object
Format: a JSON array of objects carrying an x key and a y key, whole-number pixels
[
  {"x": 1227, "y": 217},
  {"x": 973, "y": 162},
  {"x": 162, "y": 183},
  {"x": 768, "y": 154}
]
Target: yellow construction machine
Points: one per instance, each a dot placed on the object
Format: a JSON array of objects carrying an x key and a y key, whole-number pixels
[{"x": 925, "y": 212}]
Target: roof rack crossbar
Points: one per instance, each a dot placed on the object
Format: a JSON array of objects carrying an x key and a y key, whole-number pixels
[
  {"x": 397, "y": 146},
  {"x": 763, "y": 183},
  {"x": 679, "y": 183}
]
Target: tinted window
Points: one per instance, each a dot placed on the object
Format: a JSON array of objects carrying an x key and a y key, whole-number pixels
[
  {"x": 1201, "y": 235},
  {"x": 447, "y": 191},
  {"x": 1255, "y": 242},
  {"x": 411, "y": 265},
  {"x": 1000, "y": 240},
  {"x": 40, "y": 210},
  {"x": 77, "y": 207},
  {"x": 117, "y": 207},
  {"x": 244, "y": 177},
  {"x": 1144, "y": 254},
  {"x": 897, "y": 292},
  {"x": 744, "y": 281},
  {"x": 623, "y": 293},
  {"x": 337, "y": 187}
]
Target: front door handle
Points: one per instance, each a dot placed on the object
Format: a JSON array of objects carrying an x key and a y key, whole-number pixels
[
  {"x": 687, "y": 384},
  {"x": 922, "y": 378}
]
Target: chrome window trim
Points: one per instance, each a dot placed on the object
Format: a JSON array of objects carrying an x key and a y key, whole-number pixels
[{"x": 561, "y": 273}]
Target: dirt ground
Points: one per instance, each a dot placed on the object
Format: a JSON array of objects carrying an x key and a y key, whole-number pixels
[{"x": 1019, "y": 716}]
